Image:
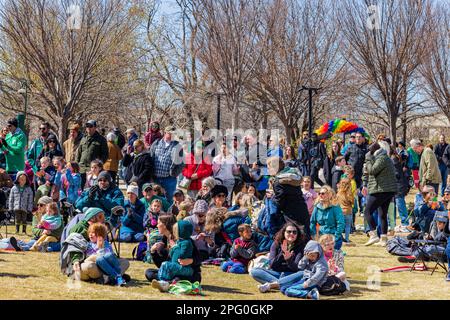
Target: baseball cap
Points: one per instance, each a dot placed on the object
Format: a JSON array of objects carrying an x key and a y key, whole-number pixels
[
  {"x": 169, "y": 129},
  {"x": 147, "y": 186},
  {"x": 91, "y": 123},
  {"x": 178, "y": 192}
]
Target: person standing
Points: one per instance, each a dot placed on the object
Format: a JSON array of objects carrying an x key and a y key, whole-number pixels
[
  {"x": 355, "y": 157},
  {"x": 153, "y": 134},
  {"x": 224, "y": 169},
  {"x": 167, "y": 158},
  {"x": 114, "y": 156},
  {"x": 302, "y": 156},
  {"x": 13, "y": 146},
  {"x": 317, "y": 154},
  {"x": 197, "y": 168},
  {"x": 131, "y": 138},
  {"x": 139, "y": 166},
  {"x": 429, "y": 173},
  {"x": 38, "y": 144},
  {"x": 439, "y": 150},
  {"x": 70, "y": 146},
  {"x": 92, "y": 146}
]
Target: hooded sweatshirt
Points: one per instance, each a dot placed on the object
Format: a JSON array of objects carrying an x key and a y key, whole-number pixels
[
  {"x": 21, "y": 198},
  {"x": 314, "y": 273},
  {"x": 183, "y": 248},
  {"x": 152, "y": 135}
]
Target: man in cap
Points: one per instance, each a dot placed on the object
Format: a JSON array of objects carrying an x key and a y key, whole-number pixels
[
  {"x": 70, "y": 146},
  {"x": 167, "y": 157},
  {"x": 104, "y": 195},
  {"x": 13, "y": 146},
  {"x": 92, "y": 146},
  {"x": 149, "y": 195}
]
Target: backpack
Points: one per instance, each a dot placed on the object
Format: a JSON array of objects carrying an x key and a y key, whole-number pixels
[
  {"x": 139, "y": 252},
  {"x": 332, "y": 287},
  {"x": 399, "y": 246}
]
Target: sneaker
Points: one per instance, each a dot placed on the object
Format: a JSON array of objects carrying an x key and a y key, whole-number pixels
[
  {"x": 43, "y": 247},
  {"x": 350, "y": 244},
  {"x": 120, "y": 282},
  {"x": 448, "y": 276},
  {"x": 347, "y": 285},
  {"x": 314, "y": 294},
  {"x": 383, "y": 241},
  {"x": 162, "y": 286},
  {"x": 263, "y": 288},
  {"x": 373, "y": 238},
  {"x": 13, "y": 243},
  {"x": 126, "y": 277},
  {"x": 406, "y": 259},
  {"x": 404, "y": 229}
]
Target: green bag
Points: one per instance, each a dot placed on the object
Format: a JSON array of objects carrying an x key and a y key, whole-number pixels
[{"x": 186, "y": 287}]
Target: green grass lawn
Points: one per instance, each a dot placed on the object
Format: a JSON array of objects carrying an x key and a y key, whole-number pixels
[{"x": 34, "y": 275}]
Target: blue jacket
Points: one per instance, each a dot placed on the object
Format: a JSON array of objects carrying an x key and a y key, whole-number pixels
[
  {"x": 231, "y": 224},
  {"x": 133, "y": 219},
  {"x": 106, "y": 200},
  {"x": 425, "y": 215},
  {"x": 331, "y": 221},
  {"x": 269, "y": 219},
  {"x": 74, "y": 181}
]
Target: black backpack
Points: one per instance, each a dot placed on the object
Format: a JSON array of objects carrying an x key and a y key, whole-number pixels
[{"x": 332, "y": 287}]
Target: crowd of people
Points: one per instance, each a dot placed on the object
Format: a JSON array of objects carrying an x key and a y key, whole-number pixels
[{"x": 250, "y": 209}]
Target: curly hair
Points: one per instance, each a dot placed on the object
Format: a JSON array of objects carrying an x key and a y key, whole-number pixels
[
  {"x": 214, "y": 219},
  {"x": 279, "y": 236},
  {"x": 98, "y": 229}
]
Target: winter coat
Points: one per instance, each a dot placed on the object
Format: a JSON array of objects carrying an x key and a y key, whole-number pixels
[
  {"x": 91, "y": 148},
  {"x": 74, "y": 244},
  {"x": 151, "y": 136},
  {"x": 429, "y": 168},
  {"x": 133, "y": 218},
  {"x": 439, "y": 150},
  {"x": 288, "y": 197},
  {"x": 425, "y": 215},
  {"x": 328, "y": 166},
  {"x": 70, "y": 147},
  {"x": 277, "y": 261},
  {"x": 355, "y": 157},
  {"x": 317, "y": 154},
  {"x": 413, "y": 159},
  {"x": 35, "y": 150},
  {"x": 314, "y": 273},
  {"x": 71, "y": 185},
  {"x": 115, "y": 155},
  {"x": 131, "y": 141},
  {"x": 232, "y": 221},
  {"x": 401, "y": 176},
  {"x": 51, "y": 222},
  {"x": 336, "y": 174},
  {"x": 139, "y": 168},
  {"x": 184, "y": 246},
  {"x": 245, "y": 252},
  {"x": 379, "y": 173},
  {"x": 203, "y": 170},
  {"x": 15, "y": 143},
  {"x": 50, "y": 153},
  {"x": 105, "y": 200},
  {"x": 165, "y": 203},
  {"x": 21, "y": 199},
  {"x": 330, "y": 220},
  {"x": 37, "y": 232}
]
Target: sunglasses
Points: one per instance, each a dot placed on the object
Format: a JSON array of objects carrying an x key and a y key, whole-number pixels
[
  {"x": 221, "y": 195},
  {"x": 201, "y": 215},
  {"x": 291, "y": 231},
  {"x": 54, "y": 142},
  {"x": 40, "y": 205},
  {"x": 42, "y": 129},
  {"x": 322, "y": 193},
  {"x": 353, "y": 137},
  {"x": 9, "y": 125}
]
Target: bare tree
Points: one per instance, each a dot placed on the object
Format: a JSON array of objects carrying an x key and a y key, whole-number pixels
[
  {"x": 76, "y": 71},
  {"x": 385, "y": 47},
  {"x": 436, "y": 67}
]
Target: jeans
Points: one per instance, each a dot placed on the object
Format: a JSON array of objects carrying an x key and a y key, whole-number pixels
[
  {"x": 109, "y": 265},
  {"x": 284, "y": 279},
  {"x": 444, "y": 173},
  {"x": 338, "y": 244},
  {"x": 131, "y": 237},
  {"x": 391, "y": 216},
  {"x": 169, "y": 184},
  {"x": 348, "y": 225},
  {"x": 402, "y": 210},
  {"x": 381, "y": 202},
  {"x": 447, "y": 252}
]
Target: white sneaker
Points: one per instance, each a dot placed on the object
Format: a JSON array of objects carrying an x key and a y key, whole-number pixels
[
  {"x": 314, "y": 294},
  {"x": 347, "y": 285},
  {"x": 162, "y": 286},
  {"x": 263, "y": 288},
  {"x": 383, "y": 241},
  {"x": 373, "y": 238}
]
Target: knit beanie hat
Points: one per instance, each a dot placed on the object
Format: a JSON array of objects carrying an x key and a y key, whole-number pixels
[
  {"x": 133, "y": 189},
  {"x": 91, "y": 213},
  {"x": 105, "y": 175},
  {"x": 200, "y": 206},
  {"x": 209, "y": 182},
  {"x": 45, "y": 200}
]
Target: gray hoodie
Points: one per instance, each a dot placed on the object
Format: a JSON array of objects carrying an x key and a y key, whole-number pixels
[
  {"x": 75, "y": 242},
  {"x": 315, "y": 273}
]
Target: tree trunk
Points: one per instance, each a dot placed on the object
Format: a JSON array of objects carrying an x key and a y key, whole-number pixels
[
  {"x": 235, "y": 122},
  {"x": 393, "y": 128},
  {"x": 62, "y": 130}
]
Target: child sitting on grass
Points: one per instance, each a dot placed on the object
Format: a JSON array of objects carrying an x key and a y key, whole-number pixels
[
  {"x": 315, "y": 272},
  {"x": 183, "y": 249},
  {"x": 99, "y": 250},
  {"x": 242, "y": 251},
  {"x": 50, "y": 221},
  {"x": 335, "y": 258}
]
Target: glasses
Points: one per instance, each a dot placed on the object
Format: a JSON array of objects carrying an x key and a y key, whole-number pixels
[
  {"x": 201, "y": 215},
  {"x": 89, "y": 126},
  {"x": 54, "y": 142},
  {"x": 40, "y": 205},
  {"x": 352, "y": 137},
  {"x": 322, "y": 193},
  {"x": 221, "y": 195},
  {"x": 102, "y": 180},
  {"x": 9, "y": 125},
  {"x": 291, "y": 231},
  {"x": 42, "y": 129}
]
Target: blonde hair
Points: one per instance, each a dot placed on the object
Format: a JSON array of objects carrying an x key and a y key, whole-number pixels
[
  {"x": 348, "y": 169},
  {"x": 246, "y": 198},
  {"x": 326, "y": 238},
  {"x": 332, "y": 201},
  {"x": 44, "y": 160},
  {"x": 52, "y": 208},
  {"x": 214, "y": 219},
  {"x": 344, "y": 196}
]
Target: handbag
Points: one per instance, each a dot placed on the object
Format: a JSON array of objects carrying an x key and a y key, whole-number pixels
[{"x": 186, "y": 182}]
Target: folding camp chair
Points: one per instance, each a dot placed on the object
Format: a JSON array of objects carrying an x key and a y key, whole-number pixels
[{"x": 438, "y": 255}]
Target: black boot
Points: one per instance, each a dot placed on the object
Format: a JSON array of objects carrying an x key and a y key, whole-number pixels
[
  {"x": 24, "y": 228},
  {"x": 17, "y": 228}
]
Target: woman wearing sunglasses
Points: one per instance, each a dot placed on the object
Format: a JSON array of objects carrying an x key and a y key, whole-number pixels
[
  {"x": 327, "y": 217},
  {"x": 50, "y": 149},
  {"x": 285, "y": 254}
]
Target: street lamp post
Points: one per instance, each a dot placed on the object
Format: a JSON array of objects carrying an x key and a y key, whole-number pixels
[
  {"x": 24, "y": 92},
  {"x": 310, "y": 107}
]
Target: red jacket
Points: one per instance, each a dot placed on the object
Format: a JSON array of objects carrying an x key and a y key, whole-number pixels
[{"x": 204, "y": 170}]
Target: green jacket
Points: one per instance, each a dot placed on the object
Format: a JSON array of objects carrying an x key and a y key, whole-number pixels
[
  {"x": 379, "y": 173},
  {"x": 165, "y": 203},
  {"x": 37, "y": 233},
  {"x": 81, "y": 228},
  {"x": 91, "y": 148},
  {"x": 15, "y": 158},
  {"x": 33, "y": 153},
  {"x": 429, "y": 168}
]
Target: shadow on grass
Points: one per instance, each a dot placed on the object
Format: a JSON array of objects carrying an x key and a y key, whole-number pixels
[
  {"x": 12, "y": 275},
  {"x": 133, "y": 283},
  {"x": 219, "y": 289},
  {"x": 360, "y": 289}
]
